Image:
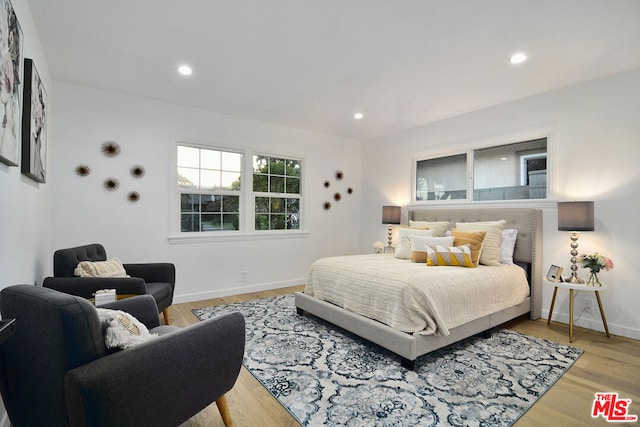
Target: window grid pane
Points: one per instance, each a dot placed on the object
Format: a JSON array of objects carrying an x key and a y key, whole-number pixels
[
  {"x": 208, "y": 169},
  {"x": 210, "y": 174},
  {"x": 292, "y": 185},
  {"x": 188, "y": 157},
  {"x": 206, "y": 212},
  {"x": 277, "y": 213}
]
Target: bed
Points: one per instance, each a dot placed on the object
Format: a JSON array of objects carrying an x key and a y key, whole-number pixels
[{"x": 410, "y": 342}]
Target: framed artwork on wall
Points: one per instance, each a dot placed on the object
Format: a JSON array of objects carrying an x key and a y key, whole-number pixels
[
  {"x": 34, "y": 124},
  {"x": 10, "y": 83}
]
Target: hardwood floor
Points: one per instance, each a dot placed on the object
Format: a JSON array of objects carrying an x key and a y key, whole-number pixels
[{"x": 607, "y": 365}]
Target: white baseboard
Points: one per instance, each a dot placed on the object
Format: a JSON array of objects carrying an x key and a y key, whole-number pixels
[
  {"x": 595, "y": 324},
  {"x": 218, "y": 293}
]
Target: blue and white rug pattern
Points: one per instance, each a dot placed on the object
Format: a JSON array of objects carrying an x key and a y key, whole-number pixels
[{"x": 326, "y": 376}]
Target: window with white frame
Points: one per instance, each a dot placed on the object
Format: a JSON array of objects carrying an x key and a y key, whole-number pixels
[
  {"x": 513, "y": 171},
  {"x": 277, "y": 192},
  {"x": 208, "y": 181}
]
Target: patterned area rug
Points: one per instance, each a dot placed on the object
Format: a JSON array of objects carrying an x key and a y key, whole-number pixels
[{"x": 326, "y": 376}]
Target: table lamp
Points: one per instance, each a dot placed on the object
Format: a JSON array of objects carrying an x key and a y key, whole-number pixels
[
  {"x": 390, "y": 215},
  {"x": 575, "y": 217}
]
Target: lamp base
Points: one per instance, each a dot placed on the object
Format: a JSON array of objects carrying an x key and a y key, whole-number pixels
[
  {"x": 574, "y": 253},
  {"x": 576, "y": 280}
]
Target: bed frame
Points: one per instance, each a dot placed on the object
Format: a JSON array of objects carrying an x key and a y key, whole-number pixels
[{"x": 409, "y": 347}]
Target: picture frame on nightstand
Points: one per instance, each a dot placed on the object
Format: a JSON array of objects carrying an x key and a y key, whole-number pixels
[{"x": 555, "y": 274}]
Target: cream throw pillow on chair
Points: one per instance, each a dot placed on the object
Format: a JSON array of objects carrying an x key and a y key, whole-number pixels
[
  {"x": 122, "y": 330},
  {"x": 109, "y": 268}
]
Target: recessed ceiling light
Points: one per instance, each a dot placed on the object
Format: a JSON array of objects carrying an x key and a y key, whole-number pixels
[
  {"x": 358, "y": 116},
  {"x": 185, "y": 70},
  {"x": 518, "y": 58}
]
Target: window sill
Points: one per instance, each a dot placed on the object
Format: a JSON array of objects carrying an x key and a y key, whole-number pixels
[{"x": 235, "y": 236}]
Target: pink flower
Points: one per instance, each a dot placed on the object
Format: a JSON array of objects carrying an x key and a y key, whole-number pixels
[{"x": 608, "y": 264}]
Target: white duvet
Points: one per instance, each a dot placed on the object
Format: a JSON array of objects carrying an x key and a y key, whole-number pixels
[{"x": 412, "y": 297}]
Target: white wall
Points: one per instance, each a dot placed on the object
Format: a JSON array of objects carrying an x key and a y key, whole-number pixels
[
  {"x": 594, "y": 154},
  {"x": 24, "y": 204},
  {"x": 138, "y": 232}
]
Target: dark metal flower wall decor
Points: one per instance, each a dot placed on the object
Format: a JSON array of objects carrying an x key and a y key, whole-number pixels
[
  {"x": 83, "y": 170},
  {"x": 337, "y": 196},
  {"x": 112, "y": 149},
  {"x": 133, "y": 196},
  {"x": 137, "y": 171},
  {"x": 111, "y": 184}
]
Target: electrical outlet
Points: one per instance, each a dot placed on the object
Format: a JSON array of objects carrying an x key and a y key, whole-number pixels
[
  {"x": 587, "y": 306},
  {"x": 243, "y": 276}
]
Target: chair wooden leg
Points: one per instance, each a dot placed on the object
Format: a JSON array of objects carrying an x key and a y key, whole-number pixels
[
  {"x": 165, "y": 314},
  {"x": 224, "y": 410}
]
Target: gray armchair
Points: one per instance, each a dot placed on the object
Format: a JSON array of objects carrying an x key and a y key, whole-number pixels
[
  {"x": 155, "y": 279},
  {"x": 55, "y": 369}
]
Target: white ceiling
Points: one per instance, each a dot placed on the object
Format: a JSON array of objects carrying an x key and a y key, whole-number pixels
[{"x": 311, "y": 64}]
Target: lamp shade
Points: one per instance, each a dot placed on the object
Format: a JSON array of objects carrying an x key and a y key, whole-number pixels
[
  {"x": 575, "y": 216},
  {"x": 391, "y": 214}
]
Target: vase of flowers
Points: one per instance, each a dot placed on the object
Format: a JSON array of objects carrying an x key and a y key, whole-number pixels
[{"x": 595, "y": 263}]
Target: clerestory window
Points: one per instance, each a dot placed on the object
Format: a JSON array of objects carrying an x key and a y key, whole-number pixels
[{"x": 514, "y": 171}]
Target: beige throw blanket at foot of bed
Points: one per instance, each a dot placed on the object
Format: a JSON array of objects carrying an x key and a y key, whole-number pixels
[{"x": 413, "y": 297}]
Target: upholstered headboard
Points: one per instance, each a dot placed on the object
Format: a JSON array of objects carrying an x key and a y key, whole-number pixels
[{"x": 528, "y": 248}]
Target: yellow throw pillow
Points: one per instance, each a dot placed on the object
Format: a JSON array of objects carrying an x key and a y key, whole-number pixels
[
  {"x": 419, "y": 246},
  {"x": 490, "y": 254},
  {"x": 472, "y": 238},
  {"x": 457, "y": 256}
]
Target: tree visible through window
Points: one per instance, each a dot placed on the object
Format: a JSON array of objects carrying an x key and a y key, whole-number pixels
[{"x": 277, "y": 195}]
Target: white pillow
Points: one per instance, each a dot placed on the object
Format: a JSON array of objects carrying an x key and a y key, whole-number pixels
[
  {"x": 439, "y": 227},
  {"x": 109, "y": 268},
  {"x": 419, "y": 246},
  {"x": 405, "y": 236},
  {"x": 507, "y": 245},
  {"x": 122, "y": 330},
  {"x": 490, "y": 252}
]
